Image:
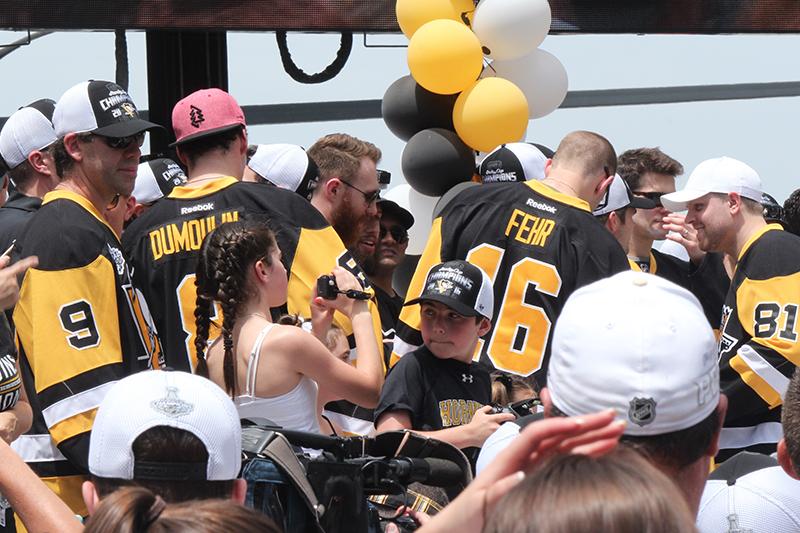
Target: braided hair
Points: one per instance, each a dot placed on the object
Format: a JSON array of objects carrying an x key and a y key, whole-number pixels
[{"x": 226, "y": 255}]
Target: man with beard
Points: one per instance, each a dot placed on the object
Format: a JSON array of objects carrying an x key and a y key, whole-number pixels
[
  {"x": 758, "y": 345},
  {"x": 79, "y": 324},
  {"x": 348, "y": 189}
]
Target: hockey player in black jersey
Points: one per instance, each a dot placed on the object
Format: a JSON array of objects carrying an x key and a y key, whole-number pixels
[
  {"x": 537, "y": 241},
  {"x": 81, "y": 325},
  {"x": 758, "y": 345}
]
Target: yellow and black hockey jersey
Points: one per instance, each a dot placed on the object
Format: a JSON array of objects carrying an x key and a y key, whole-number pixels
[
  {"x": 537, "y": 245},
  {"x": 759, "y": 346},
  {"x": 708, "y": 282},
  {"x": 81, "y": 326},
  {"x": 164, "y": 242}
]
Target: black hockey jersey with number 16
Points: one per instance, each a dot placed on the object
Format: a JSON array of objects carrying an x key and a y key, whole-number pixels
[
  {"x": 759, "y": 346},
  {"x": 537, "y": 246},
  {"x": 81, "y": 326}
]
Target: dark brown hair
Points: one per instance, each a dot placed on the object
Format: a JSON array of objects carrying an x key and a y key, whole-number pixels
[
  {"x": 137, "y": 510},
  {"x": 791, "y": 212},
  {"x": 163, "y": 444},
  {"x": 616, "y": 493},
  {"x": 226, "y": 255},
  {"x": 633, "y": 164},
  {"x": 791, "y": 419},
  {"x": 218, "y": 141}
]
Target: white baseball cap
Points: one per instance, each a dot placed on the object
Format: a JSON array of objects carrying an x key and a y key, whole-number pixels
[
  {"x": 513, "y": 162},
  {"x": 26, "y": 131},
  {"x": 639, "y": 344},
  {"x": 721, "y": 175},
  {"x": 156, "y": 178},
  {"x": 766, "y": 500},
  {"x": 175, "y": 399},
  {"x": 287, "y": 166},
  {"x": 619, "y": 195}
]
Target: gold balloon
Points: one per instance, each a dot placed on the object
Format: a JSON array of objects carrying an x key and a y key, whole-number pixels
[
  {"x": 411, "y": 14},
  {"x": 491, "y": 112},
  {"x": 445, "y": 57}
]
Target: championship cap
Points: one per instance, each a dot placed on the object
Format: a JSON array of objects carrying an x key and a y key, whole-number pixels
[
  {"x": 156, "y": 178},
  {"x": 619, "y": 195},
  {"x": 286, "y": 166},
  {"x": 205, "y": 112},
  {"x": 461, "y": 286},
  {"x": 394, "y": 209},
  {"x": 765, "y": 499},
  {"x": 639, "y": 344},
  {"x": 27, "y": 130},
  {"x": 720, "y": 175},
  {"x": 100, "y": 107},
  {"x": 513, "y": 162},
  {"x": 174, "y": 399}
]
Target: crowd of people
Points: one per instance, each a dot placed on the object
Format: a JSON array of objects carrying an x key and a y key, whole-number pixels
[{"x": 589, "y": 380}]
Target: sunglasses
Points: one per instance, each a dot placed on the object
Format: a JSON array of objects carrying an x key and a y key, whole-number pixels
[
  {"x": 398, "y": 233},
  {"x": 369, "y": 197},
  {"x": 652, "y": 196},
  {"x": 122, "y": 143}
]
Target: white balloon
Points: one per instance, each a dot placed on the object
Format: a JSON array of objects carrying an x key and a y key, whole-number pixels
[
  {"x": 511, "y": 28},
  {"x": 421, "y": 207},
  {"x": 540, "y": 76}
]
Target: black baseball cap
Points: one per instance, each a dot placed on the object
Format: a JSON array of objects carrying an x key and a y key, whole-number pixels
[
  {"x": 461, "y": 286},
  {"x": 403, "y": 215},
  {"x": 100, "y": 107}
]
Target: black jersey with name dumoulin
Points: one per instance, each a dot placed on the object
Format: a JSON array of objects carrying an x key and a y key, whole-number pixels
[
  {"x": 758, "y": 345},
  {"x": 80, "y": 326},
  {"x": 537, "y": 245},
  {"x": 163, "y": 245}
]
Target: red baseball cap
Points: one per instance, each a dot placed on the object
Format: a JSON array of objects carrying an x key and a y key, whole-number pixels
[{"x": 205, "y": 112}]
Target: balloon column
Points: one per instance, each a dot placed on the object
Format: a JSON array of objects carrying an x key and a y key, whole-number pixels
[{"x": 451, "y": 105}]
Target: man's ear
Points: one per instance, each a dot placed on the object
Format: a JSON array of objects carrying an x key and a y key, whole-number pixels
[
  {"x": 36, "y": 160},
  {"x": 722, "y": 408},
  {"x": 239, "y": 492},
  {"x": 484, "y": 326},
  {"x": 181, "y": 156},
  {"x": 785, "y": 460},
  {"x": 547, "y": 165},
  {"x": 73, "y": 146},
  {"x": 612, "y": 222},
  {"x": 90, "y": 496},
  {"x": 544, "y": 395}
]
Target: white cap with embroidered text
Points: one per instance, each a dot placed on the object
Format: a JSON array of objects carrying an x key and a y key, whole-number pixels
[
  {"x": 719, "y": 175},
  {"x": 513, "y": 162},
  {"x": 639, "y": 344},
  {"x": 26, "y": 131},
  {"x": 156, "y": 178},
  {"x": 174, "y": 399}
]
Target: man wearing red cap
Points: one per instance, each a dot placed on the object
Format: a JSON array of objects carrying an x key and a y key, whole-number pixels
[{"x": 164, "y": 242}]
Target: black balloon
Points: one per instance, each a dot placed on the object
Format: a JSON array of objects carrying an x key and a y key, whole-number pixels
[
  {"x": 435, "y": 160},
  {"x": 407, "y": 108}
]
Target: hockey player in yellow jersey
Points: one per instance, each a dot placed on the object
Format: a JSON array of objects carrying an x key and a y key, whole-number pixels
[
  {"x": 758, "y": 346},
  {"x": 81, "y": 325}
]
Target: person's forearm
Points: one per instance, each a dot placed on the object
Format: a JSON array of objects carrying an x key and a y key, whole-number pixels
[
  {"x": 368, "y": 360},
  {"x": 459, "y": 436},
  {"x": 37, "y": 506}
]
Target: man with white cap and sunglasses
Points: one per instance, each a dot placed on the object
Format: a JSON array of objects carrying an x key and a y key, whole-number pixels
[
  {"x": 616, "y": 210},
  {"x": 758, "y": 347},
  {"x": 80, "y": 324}
]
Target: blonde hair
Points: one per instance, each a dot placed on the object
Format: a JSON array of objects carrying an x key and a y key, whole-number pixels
[{"x": 339, "y": 155}]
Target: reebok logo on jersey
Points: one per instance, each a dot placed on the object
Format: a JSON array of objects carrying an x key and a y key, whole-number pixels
[
  {"x": 199, "y": 207},
  {"x": 540, "y": 206},
  {"x": 196, "y": 116}
]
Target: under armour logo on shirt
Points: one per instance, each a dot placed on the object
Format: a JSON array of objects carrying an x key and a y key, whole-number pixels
[
  {"x": 467, "y": 378},
  {"x": 196, "y": 116}
]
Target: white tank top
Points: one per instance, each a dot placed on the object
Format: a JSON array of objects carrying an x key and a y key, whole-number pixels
[{"x": 295, "y": 410}]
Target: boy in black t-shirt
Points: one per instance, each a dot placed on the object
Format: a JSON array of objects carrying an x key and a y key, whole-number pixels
[{"x": 437, "y": 390}]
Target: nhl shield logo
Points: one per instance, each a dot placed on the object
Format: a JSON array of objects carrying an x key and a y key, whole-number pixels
[{"x": 642, "y": 411}]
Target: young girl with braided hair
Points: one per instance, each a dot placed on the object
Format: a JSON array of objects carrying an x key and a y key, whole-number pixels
[{"x": 273, "y": 371}]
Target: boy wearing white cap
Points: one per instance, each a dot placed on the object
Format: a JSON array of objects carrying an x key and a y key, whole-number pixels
[
  {"x": 437, "y": 390},
  {"x": 657, "y": 369},
  {"x": 758, "y": 347}
]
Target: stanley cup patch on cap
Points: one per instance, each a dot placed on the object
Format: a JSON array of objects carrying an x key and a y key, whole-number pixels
[{"x": 171, "y": 405}]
